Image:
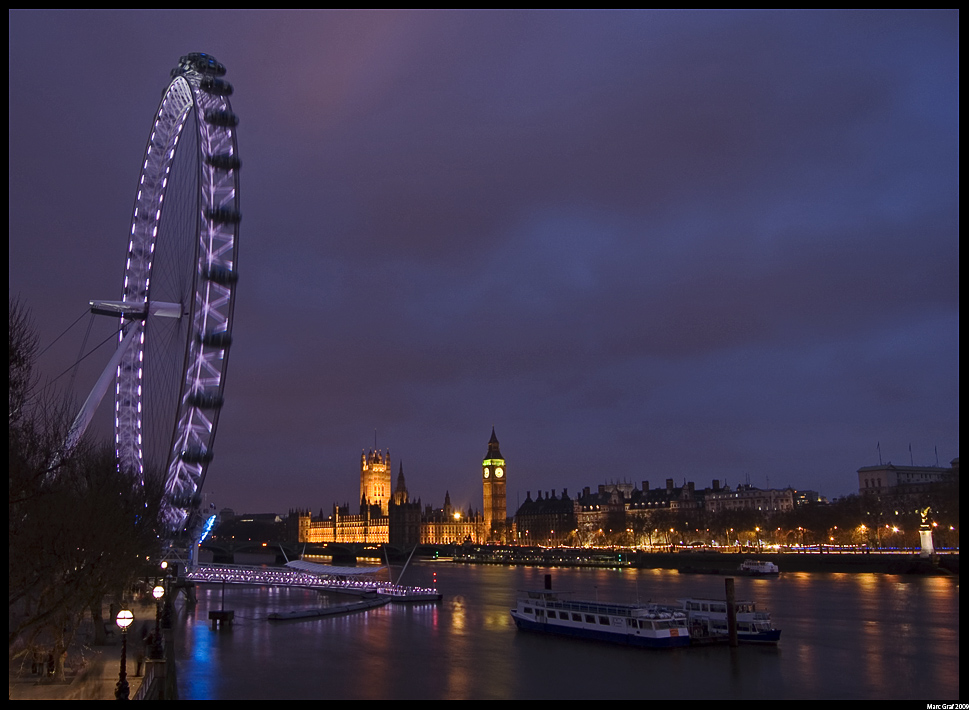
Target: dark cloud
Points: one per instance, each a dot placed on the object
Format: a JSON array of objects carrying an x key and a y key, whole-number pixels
[{"x": 640, "y": 244}]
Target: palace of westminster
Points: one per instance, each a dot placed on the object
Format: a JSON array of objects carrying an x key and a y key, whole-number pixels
[{"x": 387, "y": 514}]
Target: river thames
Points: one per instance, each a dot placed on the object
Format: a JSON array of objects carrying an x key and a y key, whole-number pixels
[{"x": 844, "y": 636}]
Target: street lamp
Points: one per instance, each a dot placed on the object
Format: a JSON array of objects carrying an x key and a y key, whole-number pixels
[
  {"x": 156, "y": 648},
  {"x": 124, "y": 620}
]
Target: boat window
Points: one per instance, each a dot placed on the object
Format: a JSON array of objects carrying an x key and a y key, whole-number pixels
[
  {"x": 577, "y": 617},
  {"x": 528, "y": 610},
  {"x": 590, "y": 619},
  {"x": 604, "y": 620}
]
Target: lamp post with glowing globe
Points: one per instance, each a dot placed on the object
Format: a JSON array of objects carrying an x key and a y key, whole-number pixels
[
  {"x": 124, "y": 620},
  {"x": 156, "y": 648}
]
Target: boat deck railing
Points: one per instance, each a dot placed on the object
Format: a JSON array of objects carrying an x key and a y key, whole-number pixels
[{"x": 623, "y": 610}]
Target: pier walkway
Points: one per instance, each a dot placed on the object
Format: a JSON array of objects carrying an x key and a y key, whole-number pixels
[
  {"x": 356, "y": 581},
  {"x": 343, "y": 580}
]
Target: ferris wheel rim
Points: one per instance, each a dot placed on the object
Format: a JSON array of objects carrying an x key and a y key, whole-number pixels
[{"x": 208, "y": 309}]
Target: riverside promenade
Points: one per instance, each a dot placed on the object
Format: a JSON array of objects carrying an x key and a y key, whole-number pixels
[{"x": 91, "y": 672}]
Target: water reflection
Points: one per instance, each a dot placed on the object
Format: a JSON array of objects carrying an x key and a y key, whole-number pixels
[{"x": 844, "y": 636}]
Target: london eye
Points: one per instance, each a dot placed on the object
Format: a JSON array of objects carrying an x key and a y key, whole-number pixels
[{"x": 179, "y": 291}]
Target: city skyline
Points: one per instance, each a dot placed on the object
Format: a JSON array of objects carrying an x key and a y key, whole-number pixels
[{"x": 640, "y": 245}]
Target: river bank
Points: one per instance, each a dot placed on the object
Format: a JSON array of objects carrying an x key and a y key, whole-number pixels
[
  {"x": 710, "y": 562},
  {"x": 804, "y": 562}
]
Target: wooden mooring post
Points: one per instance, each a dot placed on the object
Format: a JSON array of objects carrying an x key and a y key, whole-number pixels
[{"x": 222, "y": 618}]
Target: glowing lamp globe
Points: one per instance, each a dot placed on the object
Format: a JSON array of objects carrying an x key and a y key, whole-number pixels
[{"x": 125, "y": 618}]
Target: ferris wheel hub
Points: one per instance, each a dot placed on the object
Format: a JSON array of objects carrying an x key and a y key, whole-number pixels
[{"x": 137, "y": 311}]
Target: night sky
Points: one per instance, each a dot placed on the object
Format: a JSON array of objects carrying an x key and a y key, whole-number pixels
[{"x": 641, "y": 245}]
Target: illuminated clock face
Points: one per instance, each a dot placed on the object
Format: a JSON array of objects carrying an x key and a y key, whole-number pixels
[
  {"x": 487, "y": 472},
  {"x": 499, "y": 472}
]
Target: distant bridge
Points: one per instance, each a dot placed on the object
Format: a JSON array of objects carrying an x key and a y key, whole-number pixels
[{"x": 345, "y": 553}]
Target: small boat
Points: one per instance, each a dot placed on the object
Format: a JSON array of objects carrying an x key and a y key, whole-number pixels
[
  {"x": 648, "y": 625},
  {"x": 758, "y": 568},
  {"x": 749, "y": 568},
  {"x": 707, "y": 619}
]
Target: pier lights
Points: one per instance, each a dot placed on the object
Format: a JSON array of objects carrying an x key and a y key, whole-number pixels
[
  {"x": 124, "y": 620},
  {"x": 156, "y": 647}
]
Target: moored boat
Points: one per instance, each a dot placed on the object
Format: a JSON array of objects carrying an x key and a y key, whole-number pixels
[
  {"x": 707, "y": 620},
  {"x": 749, "y": 568},
  {"x": 759, "y": 568},
  {"x": 649, "y": 626}
]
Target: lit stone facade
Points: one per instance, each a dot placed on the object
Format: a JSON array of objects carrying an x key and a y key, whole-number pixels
[
  {"x": 447, "y": 526},
  {"x": 892, "y": 479},
  {"x": 375, "y": 480},
  {"x": 749, "y": 498},
  {"x": 390, "y": 516},
  {"x": 344, "y": 528}
]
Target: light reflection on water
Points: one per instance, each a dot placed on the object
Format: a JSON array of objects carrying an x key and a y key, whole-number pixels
[{"x": 845, "y": 636}]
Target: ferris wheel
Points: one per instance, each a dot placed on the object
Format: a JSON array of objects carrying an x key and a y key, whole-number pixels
[{"x": 178, "y": 292}]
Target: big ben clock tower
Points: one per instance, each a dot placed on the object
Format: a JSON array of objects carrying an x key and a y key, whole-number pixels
[{"x": 493, "y": 477}]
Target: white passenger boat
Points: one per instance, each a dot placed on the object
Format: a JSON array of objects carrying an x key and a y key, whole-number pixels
[
  {"x": 759, "y": 568},
  {"x": 707, "y": 619},
  {"x": 650, "y": 626}
]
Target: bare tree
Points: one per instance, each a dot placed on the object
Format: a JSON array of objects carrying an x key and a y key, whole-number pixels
[
  {"x": 72, "y": 538},
  {"x": 23, "y": 350}
]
